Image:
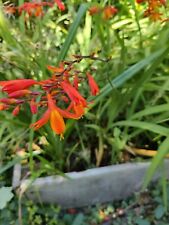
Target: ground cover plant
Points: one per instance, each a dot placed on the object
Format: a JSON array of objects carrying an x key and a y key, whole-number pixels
[
  {"x": 140, "y": 209},
  {"x": 97, "y": 71}
]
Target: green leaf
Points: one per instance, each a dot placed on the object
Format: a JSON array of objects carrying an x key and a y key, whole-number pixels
[
  {"x": 144, "y": 125},
  {"x": 156, "y": 161},
  {"x": 5, "y": 29},
  {"x": 159, "y": 212},
  {"x": 78, "y": 220},
  {"x": 72, "y": 31},
  {"x": 140, "y": 221},
  {"x": 5, "y": 196},
  {"x": 93, "y": 126},
  {"x": 130, "y": 72},
  {"x": 9, "y": 164},
  {"x": 22, "y": 18},
  {"x": 151, "y": 110}
]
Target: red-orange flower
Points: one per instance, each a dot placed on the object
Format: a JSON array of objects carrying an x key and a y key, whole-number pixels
[
  {"x": 76, "y": 82},
  {"x": 94, "y": 10},
  {"x": 155, "y": 16},
  {"x": 16, "y": 85},
  {"x": 3, "y": 106},
  {"x": 38, "y": 11},
  {"x": 33, "y": 8},
  {"x": 55, "y": 115},
  {"x": 42, "y": 121},
  {"x": 10, "y": 101},
  {"x": 69, "y": 115},
  {"x": 54, "y": 69},
  {"x": 73, "y": 94},
  {"x": 16, "y": 110},
  {"x": 140, "y": 1},
  {"x": 108, "y": 12},
  {"x": 78, "y": 109},
  {"x": 92, "y": 84},
  {"x": 56, "y": 120},
  {"x": 33, "y": 106},
  {"x": 60, "y": 5},
  {"x": 163, "y": 2},
  {"x": 62, "y": 88},
  {"x": 9, "y": 10},
  {"x": 153, "y": 9},
  {"x": 20, "y": 93}
]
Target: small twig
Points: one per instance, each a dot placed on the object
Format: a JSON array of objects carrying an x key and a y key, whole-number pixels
[{"x": 92, "y": 57}]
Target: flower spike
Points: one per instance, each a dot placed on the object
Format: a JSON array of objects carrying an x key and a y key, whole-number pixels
[{"x": 62, "y": 88}]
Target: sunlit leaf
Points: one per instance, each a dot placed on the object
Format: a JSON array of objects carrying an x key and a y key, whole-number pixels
[{"x": 5, "y": 196}]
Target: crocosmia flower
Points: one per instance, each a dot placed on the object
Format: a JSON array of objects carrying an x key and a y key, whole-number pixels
[
  {"x": 108, "y": 12},
  {"x": 60, "y": 5},
  {"x": 16, "y": 85},
  {"x": 92, "y": 84},
  {"x": 56, "y": 120},
  {"x": 33, "y": 106},
  {"x": 73, "y": 94},
  {"x": 153, "y": 10},
  {"x": 94, "y": 10},
  {"x": 140, "y": 1},
  {"x": 58, "y": 97},
  {"x": 33, "y": 9},
  {"x": 16, "y": 110}
]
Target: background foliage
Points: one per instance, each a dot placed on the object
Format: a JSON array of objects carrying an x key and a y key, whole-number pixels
[{"x": 131, "y": 110}]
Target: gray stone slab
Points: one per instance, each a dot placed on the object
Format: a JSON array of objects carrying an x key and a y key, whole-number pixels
[{"x": 89, "y": 187}]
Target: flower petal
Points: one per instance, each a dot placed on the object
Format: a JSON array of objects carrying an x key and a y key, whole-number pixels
[
  {"x": 56, "y": 122},
  {"x": 73, "y": 94},
  {"x": 42, "y": 121},
  {"x": 33, "y": 106},
  {"x": 16, "y": 110},
  {"x": 92, "y": 84},
  {"x": 20, "y": 93},
  {"x": 60, "y": 5},
  {"x": 16, "y": 85}
]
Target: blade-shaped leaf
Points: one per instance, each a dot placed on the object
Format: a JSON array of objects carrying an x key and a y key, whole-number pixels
[
  {"x": 144, "y": 125},
  {"x": 9, "y": 164},
  {"x": 151, "y": 110},
  {"x": 72, "y": 31},
  {"x": 156, "y": 161},
  {"x": 130, "y": 72}
]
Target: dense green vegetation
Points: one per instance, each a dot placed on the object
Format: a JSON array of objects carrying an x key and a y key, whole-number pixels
[{"x": 126, "y": 53}]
